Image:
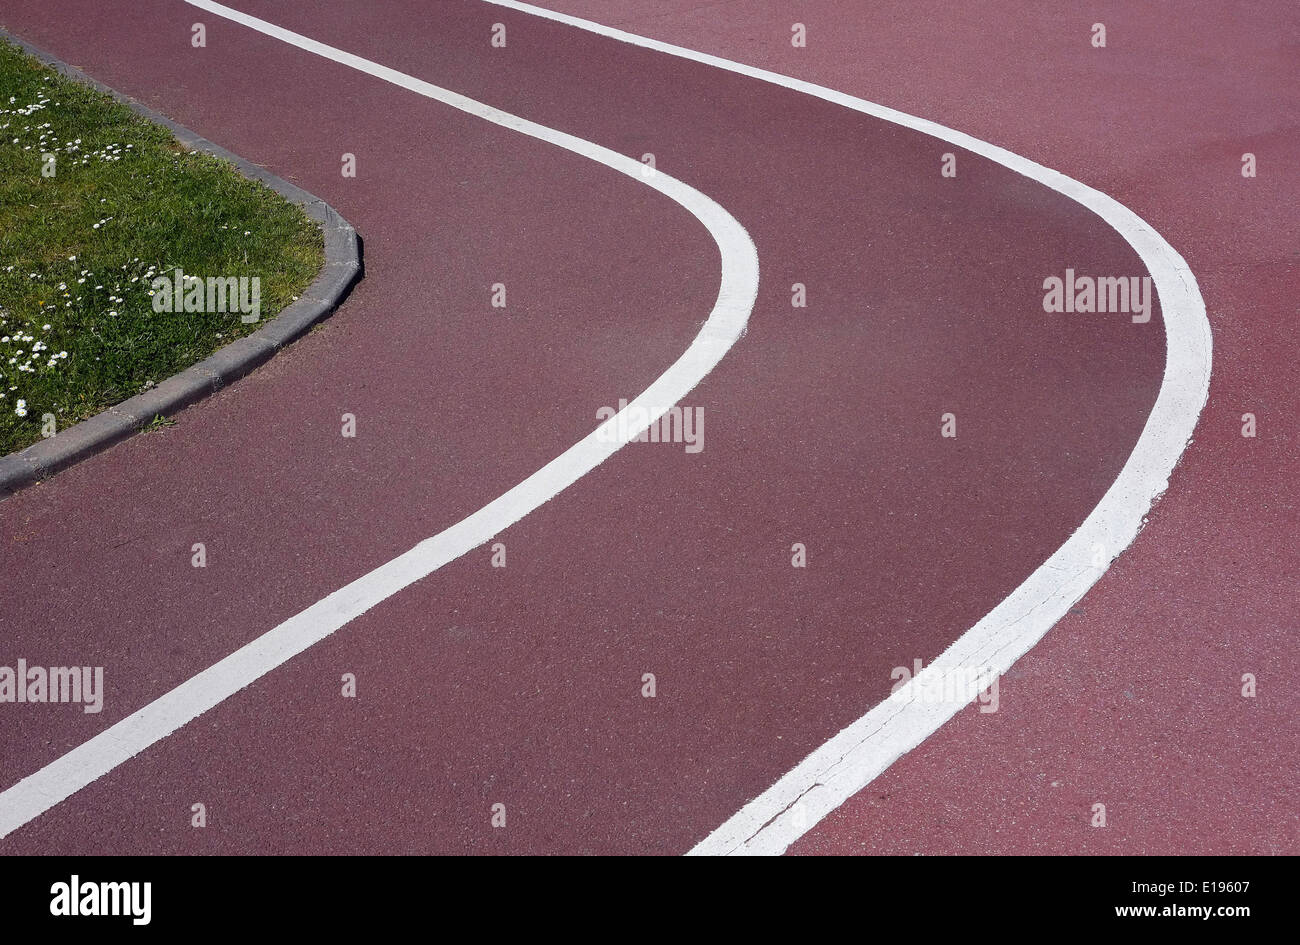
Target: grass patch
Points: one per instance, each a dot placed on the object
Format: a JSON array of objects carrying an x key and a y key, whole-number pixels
[
  {"x": 79, "y": 250},
  {"x": 159, "y": 422}
]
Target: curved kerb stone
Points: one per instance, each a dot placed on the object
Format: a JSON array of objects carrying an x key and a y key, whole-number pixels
[{"x": 342, "y": 269}]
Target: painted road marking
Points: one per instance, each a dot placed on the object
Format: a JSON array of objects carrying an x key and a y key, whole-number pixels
[
  {"x": 850, "y": 760},
  {"x": 34, "y": 795},
  {"x": 853, "y": 758}
]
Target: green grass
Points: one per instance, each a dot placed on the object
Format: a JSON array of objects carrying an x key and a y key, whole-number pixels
[
  {"x": 79, "y": 250},
  {"x": 159, "y": 422}
]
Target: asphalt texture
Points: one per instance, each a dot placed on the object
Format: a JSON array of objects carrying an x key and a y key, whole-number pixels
[{"x": 522, "y": 685}]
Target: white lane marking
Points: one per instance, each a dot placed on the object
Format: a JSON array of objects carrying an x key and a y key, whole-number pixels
[
  {"x": 37, "y": 793},
  {"x": 853, "y": 758}
]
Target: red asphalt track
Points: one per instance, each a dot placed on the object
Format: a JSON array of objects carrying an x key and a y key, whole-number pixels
[
  {"x": 1134, "y": 699},
  {"x": 522, "y": 685}
]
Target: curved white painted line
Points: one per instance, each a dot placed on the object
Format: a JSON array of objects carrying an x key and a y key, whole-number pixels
[
  {"x": 849, "y": 761},
  {"x": 34, "y": 795}
]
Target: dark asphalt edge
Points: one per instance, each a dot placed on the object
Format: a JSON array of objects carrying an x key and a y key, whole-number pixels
[{"x": 342, "y": 269}]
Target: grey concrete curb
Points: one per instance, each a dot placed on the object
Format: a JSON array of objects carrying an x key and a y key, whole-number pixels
[{"x": 341, "y": 271}]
